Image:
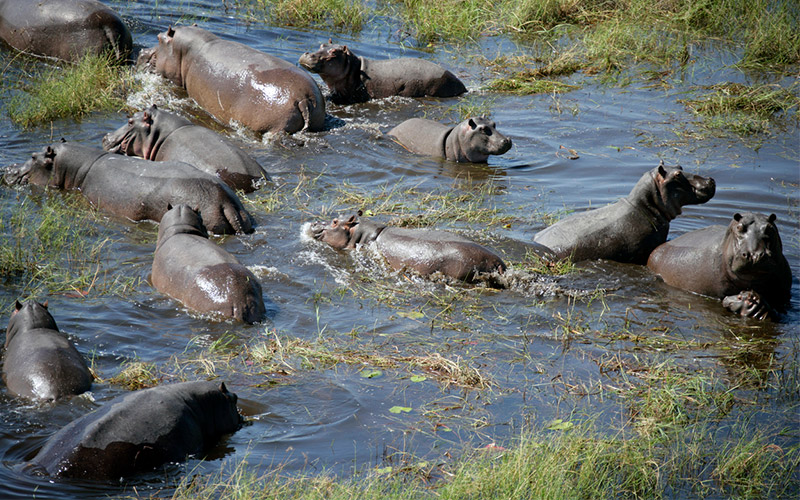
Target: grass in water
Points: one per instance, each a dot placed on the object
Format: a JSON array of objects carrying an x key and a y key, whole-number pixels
[
  {"x": 346, "y": 15},
  {"x": 49, "y": 249},
  {"x": 94, "y": 83}
]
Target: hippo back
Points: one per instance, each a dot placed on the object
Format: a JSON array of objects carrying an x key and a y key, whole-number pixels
[
  {"x": 141, "y": 431},
  {"x": 64, "y": 29}
]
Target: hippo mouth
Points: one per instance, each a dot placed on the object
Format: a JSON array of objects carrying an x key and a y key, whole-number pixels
[
  {"x": 16, "y": 175},
  {"x": 309, "y": 62},
  {"x": 318, "y": 230}
]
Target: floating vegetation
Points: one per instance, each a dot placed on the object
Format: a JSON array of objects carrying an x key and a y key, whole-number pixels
[{"x": 346, "y": 15}]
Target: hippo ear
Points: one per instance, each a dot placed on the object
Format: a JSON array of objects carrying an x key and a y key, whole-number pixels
[
  {"x": 360, "y": 213},
  {"x": 771, "y": 219},
  {"x": 351, "y": 220},
  {"x": 222, "y": 387},
  {"x": 472, "y": 124},
  {"x": 330, "y": 41},
  {"x": 737, "y": 217},
  {"x": 170, "y": 32},
  {"x": 661, "y": 170},
  {"x": 17, "y": 305},
  {"x": 63, "y": 140},
  {"x": 169, "y": 206},
  {"x": 50, "y": 153},
  {"x": 45, "y": 304}
]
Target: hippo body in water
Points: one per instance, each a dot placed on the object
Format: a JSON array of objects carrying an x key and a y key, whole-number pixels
[
  {"x": 426, "y": 251},
  {"x": 134, "y": 188},
  {"x": 64, "y": 29},
  {"x": 189, "y": 267},
  {"x": 234, "y": 82},
  {"x": 157, "y": 135},
  {"x": 743, "y": 264},
  {"x": 631, "y": 228},
  {"x": 39, "y": 361},
  {"x": 141, "y": 431},
  {"x": 472, "y": 140},
  {"x": 352, "y": 79}
]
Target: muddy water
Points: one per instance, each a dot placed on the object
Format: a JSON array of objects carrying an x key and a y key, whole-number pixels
[{"x": 541, "y": 343}]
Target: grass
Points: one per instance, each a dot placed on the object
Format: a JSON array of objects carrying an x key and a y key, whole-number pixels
[
  {"x": 94, "y": 83},
  {"x": 344, "y": 15},
  {"x": 50, "y": 249},
  {"x": 744, "y": 109}
]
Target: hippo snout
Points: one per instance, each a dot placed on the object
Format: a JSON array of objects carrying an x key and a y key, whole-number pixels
[
  {"x": 504, "y": 146},
  {"x": 15, "y": 174}
]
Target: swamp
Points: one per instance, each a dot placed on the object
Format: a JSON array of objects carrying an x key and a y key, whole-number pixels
[{"x": 577, "y": 380}]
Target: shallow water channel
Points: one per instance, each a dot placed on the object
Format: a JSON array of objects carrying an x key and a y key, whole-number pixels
[{"x": 545, "y": 345}]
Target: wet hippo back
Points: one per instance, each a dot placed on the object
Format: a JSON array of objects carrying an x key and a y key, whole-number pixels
[
  {"x": 200, "y": 274},
  {"x": 236, "y": 83},
  {"x": 39, "y": 362},
  {"x": 141, "y": 431},
  {"x": 428, "y": 251},
  {"x": 64, "y": 29}
]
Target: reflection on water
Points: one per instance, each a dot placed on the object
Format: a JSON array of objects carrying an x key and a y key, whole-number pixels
[{"x": 311, "y": 416}]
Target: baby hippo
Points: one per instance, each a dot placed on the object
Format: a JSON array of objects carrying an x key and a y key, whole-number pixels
[
  {"x": 631, "y": 228},
  {"x": 157, "y": 135},
  {"x": 39, "y": 361},
  {"x": 472, "y": 140},
  {"x": 743, "y": 264},
  {"x": 189, "y": 267},
  {"x": 426, "y": 251},
  {"x": 141, "y": 431},
  {"x": 353, "y": 79}
]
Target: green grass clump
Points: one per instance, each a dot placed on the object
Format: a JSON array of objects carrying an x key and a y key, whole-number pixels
[
  {"x": 741, "y": 108},
  {"x": 347, "y": 15},
  {"x": 49, "y": 249},
  {"x": 94, "y": 83}
]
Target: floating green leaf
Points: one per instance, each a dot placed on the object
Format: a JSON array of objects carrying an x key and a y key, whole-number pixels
[
  {"x": 418, "y": 378},
  {"x": 411, "y": 315},
  {"x": 399, "y": 409},
  {"x": 371, "y": 373}
]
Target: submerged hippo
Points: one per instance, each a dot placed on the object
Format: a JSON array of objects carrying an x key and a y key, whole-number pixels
[
  {"x": 64, "y": 29},
  {"x": 39, "y": 361},
  {"x": 742, "y": 264},
  {"x": 353, "y": 79},
  {"x": 426, "y": 251},
  {"x": 237, "y": 83},
  {"x": 628, "y": 230},
  {"x": 200, "y": 274},
  {"x": 157, "y": 135},
  {"x": 132, "y": 187},
  {"x": 141, "y": 431},
  {"x": 472, "y": 140}
]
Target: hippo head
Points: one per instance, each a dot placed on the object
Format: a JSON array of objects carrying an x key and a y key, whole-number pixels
[
  {"x": 338, "y": 234},
  {"x": 166, "y": 57},
  {"x": 222, "y": 415},
  {"x": 330, "y": 61},
  {"x": 181, "y": 219},
  {"x": 134, "y": 138},
  {"x": 674, "y": 189},
  {"x": 28, "y": 316},
  {"x": 752, "y": 245},
  {"x": 478, "y": 138},
  {"x": 40, "y": 169}
]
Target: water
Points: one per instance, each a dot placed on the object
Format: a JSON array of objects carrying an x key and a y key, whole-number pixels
[{"x": 332, "y": 417}]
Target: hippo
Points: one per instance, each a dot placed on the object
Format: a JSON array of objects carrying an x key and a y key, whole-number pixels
[
  {"x": 352, "y": 79},
  {"x": 426, "y": 251},
  {"x": 236, "y": 83},
  {"x": 628, "y": 230},
  {"x": 472, "y": 140},
  {"x": 132, "y": 187},
  {"x": 64, "y": 29},
  {"x": 40, "y": 362},
  {"x": 157, "y": 135},
  {"x": 140, "y": 431},
  {"x": 743, "y": 264},
  {"x": 200, "y": 274}
]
